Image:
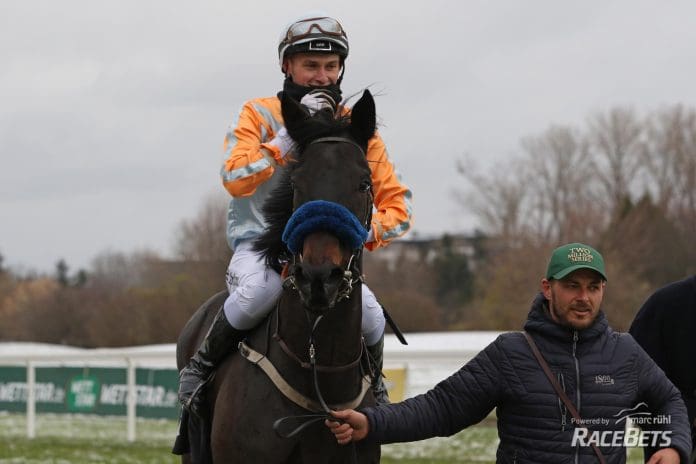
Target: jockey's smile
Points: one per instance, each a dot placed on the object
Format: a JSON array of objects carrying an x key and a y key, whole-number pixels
[{"x": 313, "y": 69}]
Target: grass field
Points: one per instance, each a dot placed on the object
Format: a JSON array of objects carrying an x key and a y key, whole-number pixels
[{"x": 64, "y": 439}]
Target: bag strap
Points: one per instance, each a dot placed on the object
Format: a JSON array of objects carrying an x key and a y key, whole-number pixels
[{"x": 559, "y": 391}]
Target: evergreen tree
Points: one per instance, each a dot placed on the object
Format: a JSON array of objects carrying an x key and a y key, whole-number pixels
[{"x": 62, "y": 273}]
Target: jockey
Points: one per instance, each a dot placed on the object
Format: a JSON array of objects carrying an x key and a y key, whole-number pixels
[{"x": 312, "y": 51}]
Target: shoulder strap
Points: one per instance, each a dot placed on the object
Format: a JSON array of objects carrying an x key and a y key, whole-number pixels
[{"x": 559, "y": 391}]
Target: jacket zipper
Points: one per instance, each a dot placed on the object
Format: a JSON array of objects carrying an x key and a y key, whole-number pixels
[
  {"x": 577, "y": 385},
  {"x": 562, "y": 407}
]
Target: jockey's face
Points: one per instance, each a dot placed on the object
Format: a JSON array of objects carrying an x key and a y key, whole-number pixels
[
  {"x": 313, "y": 69},
  {"x": 575, "y": 299}
]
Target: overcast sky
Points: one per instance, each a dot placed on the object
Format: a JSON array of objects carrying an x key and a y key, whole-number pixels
[{"x": 112, "y": 113}]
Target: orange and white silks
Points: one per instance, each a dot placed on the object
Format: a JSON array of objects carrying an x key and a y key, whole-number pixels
[{"x": 252, "y": 169}]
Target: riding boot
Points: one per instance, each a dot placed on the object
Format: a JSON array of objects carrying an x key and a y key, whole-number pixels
[
  {"x": 376, "y": 352},
  {"x": 220, "y": 340}
]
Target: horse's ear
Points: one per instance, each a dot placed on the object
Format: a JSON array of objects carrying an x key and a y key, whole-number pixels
[
  {"x": 363, "y": 118},
  {"x": 293, "y": 113}
]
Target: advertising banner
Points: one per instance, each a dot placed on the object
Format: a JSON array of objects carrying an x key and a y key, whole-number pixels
[{"x": 95, "y": 390}]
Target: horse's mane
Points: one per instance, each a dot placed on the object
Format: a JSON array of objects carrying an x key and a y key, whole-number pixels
[{"x": 279, "y": 206}]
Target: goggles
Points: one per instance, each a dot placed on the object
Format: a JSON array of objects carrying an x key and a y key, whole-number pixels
[{"x": 313, "y": 26}]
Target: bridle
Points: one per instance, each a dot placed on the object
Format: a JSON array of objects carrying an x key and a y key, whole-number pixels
[
  {"x": 351, "y": 273},
  {"x": 351, "y": 277}
]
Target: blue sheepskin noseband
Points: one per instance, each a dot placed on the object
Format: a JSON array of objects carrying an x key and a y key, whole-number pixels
[{"x": 323, "y": 215}]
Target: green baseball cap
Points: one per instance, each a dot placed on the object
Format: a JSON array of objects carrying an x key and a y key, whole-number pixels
[{"x": 573, "y": 256}]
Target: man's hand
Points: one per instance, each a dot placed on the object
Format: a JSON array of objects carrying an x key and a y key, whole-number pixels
[
  {"x": 665, "y": 456},
  {"x": 352, "y": 427},
  {"x": 283, "y": 141},
  {"x": 317, "y": 100}
]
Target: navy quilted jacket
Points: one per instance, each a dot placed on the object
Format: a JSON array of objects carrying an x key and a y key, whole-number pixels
[{"x": 605, "y": 374}]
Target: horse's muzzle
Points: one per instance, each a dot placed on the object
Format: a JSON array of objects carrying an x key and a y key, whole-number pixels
[{"x": 318, "y": 285}]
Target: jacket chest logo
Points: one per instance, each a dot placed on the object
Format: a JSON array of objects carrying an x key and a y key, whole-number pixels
[{"x": 604, "y": 379}]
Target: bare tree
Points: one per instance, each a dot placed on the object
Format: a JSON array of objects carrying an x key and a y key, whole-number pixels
[
  {"x": 116, "y": 271},
  {"x": 496, "y": 197},
  {"x": 204, "y": 237},
  {"x": 547, "y": 195},
  {"x": 562, "y": 201},
  {"x": 615, "y": 140},
  {"x": 671, "y": 164}
]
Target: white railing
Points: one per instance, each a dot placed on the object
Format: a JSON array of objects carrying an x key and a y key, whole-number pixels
[{"x": 130, "y": 358}]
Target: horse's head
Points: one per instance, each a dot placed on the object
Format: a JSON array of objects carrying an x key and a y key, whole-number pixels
[
  {"x": 332, "y": 199},
  {"x": 327, "y": 198}
]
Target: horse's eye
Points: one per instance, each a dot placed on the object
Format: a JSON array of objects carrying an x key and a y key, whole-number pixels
[{"x": 365, "y": 185}]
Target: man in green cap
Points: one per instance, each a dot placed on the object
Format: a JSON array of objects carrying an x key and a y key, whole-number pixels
[
  {"x": 574, "y": 285},
  {"x": 604, "y": 377}
]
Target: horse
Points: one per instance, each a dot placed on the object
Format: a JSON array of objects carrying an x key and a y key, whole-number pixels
[{"x": 268, "y": 401}]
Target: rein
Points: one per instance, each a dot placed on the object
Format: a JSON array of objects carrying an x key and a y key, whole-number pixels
[
  {"x": 305, "y": 420},
  {"x": 284, "y": 426},
  {"x": 289, "y": 426}
]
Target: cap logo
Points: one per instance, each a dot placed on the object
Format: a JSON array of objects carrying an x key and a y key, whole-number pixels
[
  {"x": 320, "y": 46},
  {"x": 573, "y": 256},
  {"x": 580, "y": 255}
]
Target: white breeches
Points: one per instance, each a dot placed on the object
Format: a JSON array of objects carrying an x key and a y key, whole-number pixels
[{"x": 254, "y": 289}]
